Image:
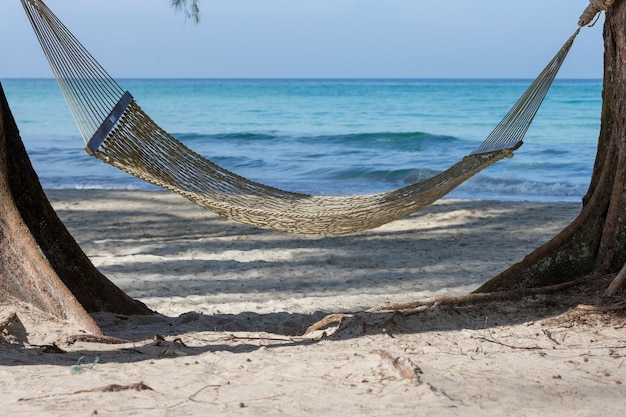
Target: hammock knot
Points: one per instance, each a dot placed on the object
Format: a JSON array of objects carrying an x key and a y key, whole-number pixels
[{"x": 595, "y": 7}]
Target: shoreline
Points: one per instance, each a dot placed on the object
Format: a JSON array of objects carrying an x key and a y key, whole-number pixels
[
  {"x": 234, "y": 303},
  {"x": 160, "y": 240}
]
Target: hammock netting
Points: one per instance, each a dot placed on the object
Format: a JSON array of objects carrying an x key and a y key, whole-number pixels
[{"x": 118, "y": 132}]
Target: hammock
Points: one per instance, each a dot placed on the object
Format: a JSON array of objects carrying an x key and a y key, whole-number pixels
[{"x": 118, "y": 132}]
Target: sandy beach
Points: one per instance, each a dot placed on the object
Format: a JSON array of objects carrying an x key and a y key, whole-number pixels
[{"x": 234, "y": 303}]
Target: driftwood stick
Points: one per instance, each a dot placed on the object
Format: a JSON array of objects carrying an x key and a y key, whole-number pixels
[
  {"x": 331, "y": 318},
  {"x": 139, "y": 386},
  {"x": 96, "y": 338}
]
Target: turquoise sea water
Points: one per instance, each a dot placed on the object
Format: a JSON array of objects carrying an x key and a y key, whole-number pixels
[{"x": 333, "y": 136}]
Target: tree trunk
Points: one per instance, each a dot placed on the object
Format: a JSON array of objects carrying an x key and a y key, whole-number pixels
[
  {"x": 595, "y": 242},
  {"x": 40, "y": 262}
]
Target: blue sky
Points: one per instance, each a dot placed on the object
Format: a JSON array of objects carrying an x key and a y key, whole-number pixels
[{"x": 313, "y": 39}]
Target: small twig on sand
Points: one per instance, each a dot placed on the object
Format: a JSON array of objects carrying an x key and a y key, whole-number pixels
[
  {"x": 139, "y": 386},
  {"x": 497, "y": 342},
  {"x": 91, "y": 338},
  {"x": 548, "y": 334}
]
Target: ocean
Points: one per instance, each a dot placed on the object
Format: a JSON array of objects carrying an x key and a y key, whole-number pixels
[{"x": 333, "y": 137}]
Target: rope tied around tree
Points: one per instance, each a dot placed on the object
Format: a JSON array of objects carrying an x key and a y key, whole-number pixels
[{"x": 595, "y": 7}]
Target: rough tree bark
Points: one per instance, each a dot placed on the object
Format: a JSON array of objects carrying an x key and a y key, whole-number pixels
[
  {"x": 595, "y": 242},
  {"x": 40, "y": 262}
]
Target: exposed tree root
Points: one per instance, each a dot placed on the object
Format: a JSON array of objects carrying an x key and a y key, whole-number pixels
[
  {"x": 476, "y": 298},
  {"x": 618, "y": 283}
]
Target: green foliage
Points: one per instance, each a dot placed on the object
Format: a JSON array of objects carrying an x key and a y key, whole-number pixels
[{"x": 191, "y": 8}]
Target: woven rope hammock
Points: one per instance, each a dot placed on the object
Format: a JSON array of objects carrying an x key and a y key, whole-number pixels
[{"x": 118, "y": 132}]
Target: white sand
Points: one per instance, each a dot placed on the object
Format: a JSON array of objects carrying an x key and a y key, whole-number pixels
[{"x": 234, "y": 303}]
